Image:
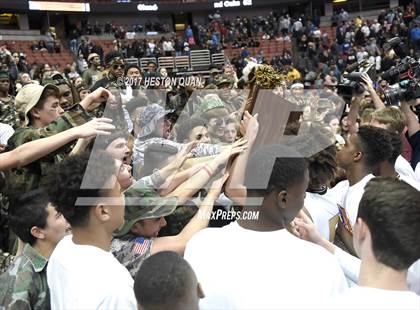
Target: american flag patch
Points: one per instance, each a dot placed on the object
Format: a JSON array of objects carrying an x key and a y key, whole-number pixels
[{"x": 140, "y": 245}]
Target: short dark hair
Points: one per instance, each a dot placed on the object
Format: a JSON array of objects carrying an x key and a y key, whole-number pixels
[
  {"x": 130, "y": 66},
  {"x": 396, "y": 144},
  {"x": 282, "y": 166},
  {"x": 163, "y": 279},
  {"x": 28, "y": 211},
  {"x": 391, "y": 210},
  {"x": 186, "y": 125},
  {"x": 322, "y": 167},
  {"x": 64, "y": 184},
  {"x": 375, "y": 144}
]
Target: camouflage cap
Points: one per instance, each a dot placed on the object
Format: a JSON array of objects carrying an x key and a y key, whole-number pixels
[
  {"x": 82, "y": 86},
  {"x": 29, "y": 96},
  {"x": 144, "y": 203},
  {"x": 4, "y": 74},
  {"x": 55, "y": 79},
  {"x": 149, "y": 117},
  {"x": 210, "y": 102},
  {"x": 224, "y": 80},
  {"x": 325, "y": 103}
]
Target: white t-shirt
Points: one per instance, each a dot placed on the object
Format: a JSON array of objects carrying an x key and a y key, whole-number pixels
[
  {"x": 417, "y": 172},
  {"x": 87, "y": 277},
  {"x": 246, "y": 269},
  {"x": 413, "y": 277},
  {"x": 349, "y": 197},
  {"x": 410, "y": 181},
  {"x": 322, "y": 209},
  {"x": 360, "y": 297},
  {"x": 403, "y": 168},
  {"x": 351, "y": 267}
]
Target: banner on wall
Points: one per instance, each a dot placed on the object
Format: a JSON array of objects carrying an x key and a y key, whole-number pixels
[{"x": 59, "y": 6}]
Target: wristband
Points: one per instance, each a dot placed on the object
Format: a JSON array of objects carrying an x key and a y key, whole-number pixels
[{"x": 208, "y": 170}]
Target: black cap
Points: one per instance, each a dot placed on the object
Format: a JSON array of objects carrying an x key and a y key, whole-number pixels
[{"x": 113, "y": 57}]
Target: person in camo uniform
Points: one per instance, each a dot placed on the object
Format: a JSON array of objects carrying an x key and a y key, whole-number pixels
[
  {"x": 37, "y": 223},
  {"x": 8, "y": 113},
  {"x": 43, "y": 118},
  {"x": 115, "y": 66},
  {"x": 68, "y": 94},
  {"x": 232, "y": 99}
]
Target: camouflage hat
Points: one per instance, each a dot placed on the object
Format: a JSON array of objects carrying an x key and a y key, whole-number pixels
[
  {"x": 55, "y": 79},
  {"x": 325, "y": 103},
  {"x": 214, "y": 70},
  {"x": 82, "y": 86},
  {"x": 210, "y": 102},
  {"x": 149, "y": 117},
  {"x": 4, "y": 75},
  {"x": 224, "y": 80},
  {"x": 144, "y": 203},
  {"x": 29, "y": 96}
]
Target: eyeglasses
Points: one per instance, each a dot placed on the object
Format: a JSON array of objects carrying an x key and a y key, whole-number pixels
[{"x": 116, "y": 67}]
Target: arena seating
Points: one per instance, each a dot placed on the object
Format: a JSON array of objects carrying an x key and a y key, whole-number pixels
[{"x": 63, "y": 58}]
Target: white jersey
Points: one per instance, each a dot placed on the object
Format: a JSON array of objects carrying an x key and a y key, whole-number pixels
[
  {"x": 87, "y": 277},
  {"x": 323, "y": 211},
  {"x": 245, "y": 269}
]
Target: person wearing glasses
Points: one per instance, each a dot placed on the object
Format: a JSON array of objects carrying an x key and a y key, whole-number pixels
[{"x": 115, "y": 65}]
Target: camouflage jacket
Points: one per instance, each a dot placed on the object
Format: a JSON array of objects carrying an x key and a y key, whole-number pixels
[
  {"x": 24, "y": 284},
  {"x": 131, "y": 251},
  {"x": 8, "y": 113},
  {"x": 6, "y": 259},
  {"x": 23, "y": 179}
]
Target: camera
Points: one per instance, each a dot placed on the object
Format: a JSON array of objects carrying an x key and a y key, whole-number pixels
[
  {"x": 403, "y": 91},
  {"x": 404, "y": 76},
  {"x": 352, "y": 80}
]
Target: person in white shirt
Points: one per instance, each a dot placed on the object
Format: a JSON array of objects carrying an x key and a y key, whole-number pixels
[
  {"x": 387, "y": 241},
  {"x": 392, "y": 119},
  {"x": 359, "y": 157},
  {"x": 387, "y": 168},
  {"x": 82, "y": 273},
  {"x": 256, "y": 263}
]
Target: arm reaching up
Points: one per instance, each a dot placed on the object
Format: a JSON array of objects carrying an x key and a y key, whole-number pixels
[
  {"x": 198, "y": 180},
  {"x": 411, "y": 118},
  {"x": 95, "y": 99},
  {"x": 235, "y": 188},
  {"x": 34, "y": 150},
  {"x": 199, "y": 221},
  {"x": 375, "y": 97}
]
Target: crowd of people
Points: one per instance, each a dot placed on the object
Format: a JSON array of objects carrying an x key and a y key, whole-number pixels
[{"x": 120, "y": 193}]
